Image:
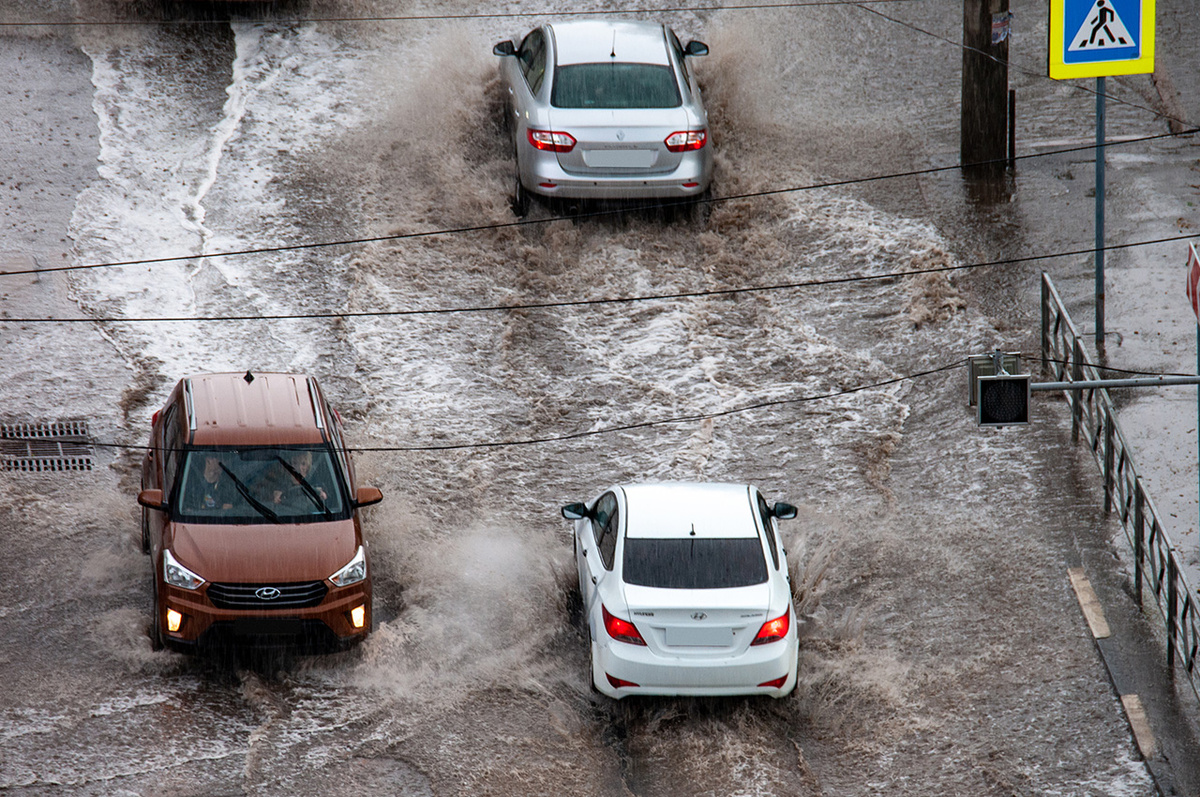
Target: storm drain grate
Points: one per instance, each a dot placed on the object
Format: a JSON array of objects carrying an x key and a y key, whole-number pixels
[{"x": 54, "y": 446}]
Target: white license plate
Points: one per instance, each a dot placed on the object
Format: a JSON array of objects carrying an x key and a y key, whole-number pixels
[
  {"x": 620, "y": 158},
  {"x": 699, "y": 637}
]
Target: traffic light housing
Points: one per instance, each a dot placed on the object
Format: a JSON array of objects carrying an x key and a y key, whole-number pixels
[{"x": 1003, "y": 399}]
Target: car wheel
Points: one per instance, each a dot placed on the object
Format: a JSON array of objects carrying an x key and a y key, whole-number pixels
[
  {"x": 156, "y": 638},
  {"x": 146, "y": 531},
  {"x": 521, "y": 200}
]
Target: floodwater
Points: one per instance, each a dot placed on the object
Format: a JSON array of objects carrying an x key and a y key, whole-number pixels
[{"x": 942, "y": 652}]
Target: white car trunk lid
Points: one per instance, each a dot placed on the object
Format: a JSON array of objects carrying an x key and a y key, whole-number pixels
[{"x": 700, "y": 622}]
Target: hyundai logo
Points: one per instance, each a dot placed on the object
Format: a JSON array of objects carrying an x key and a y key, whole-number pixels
[
  {"x": 267, "y": 593},
  {"x": 620, "y": 135},
  {"x": 699, "y": 616}
]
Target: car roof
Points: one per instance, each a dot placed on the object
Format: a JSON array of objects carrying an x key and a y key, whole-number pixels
[
  {"x": 594, "y": 41},
  {"x": 675, "y": 509},
  {"x": 269, "y": 409}
]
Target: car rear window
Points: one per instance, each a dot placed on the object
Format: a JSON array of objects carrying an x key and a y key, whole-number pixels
[
  {"x": 615, "y": 85},
  {"x": 693, "y": 563}
]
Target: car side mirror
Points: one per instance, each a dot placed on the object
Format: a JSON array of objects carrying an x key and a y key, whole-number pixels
[
  {"x": 575, "y": 511},
  {"x": 366, "y": 496},
  {"x": 504, "y": 48},
  {"x": 151, "y": 499},
  {"x": 695, "y": 48},
  {"x": 783, "y": 511}
]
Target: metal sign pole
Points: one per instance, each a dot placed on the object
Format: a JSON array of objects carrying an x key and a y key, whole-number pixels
[
  {"x": 1100, "y": 213},
  {"x": 1193, "y": 294}
]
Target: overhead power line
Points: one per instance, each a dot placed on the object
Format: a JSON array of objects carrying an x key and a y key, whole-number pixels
[
  {"x": 566, "y": 303},
  {"x": 464, "y": 17},
  {"x": 1023, "y": 70},
  {"x": 406, "y": 236},
  {"x": 628, "y": 427}
]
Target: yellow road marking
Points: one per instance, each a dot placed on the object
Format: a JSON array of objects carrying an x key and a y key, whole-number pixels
[
  {"x": 1141, "y": 726},
  {"x": 1090, "y": 604}
]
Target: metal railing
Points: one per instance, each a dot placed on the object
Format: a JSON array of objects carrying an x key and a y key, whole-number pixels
[{"x": 1156, "y": 560}]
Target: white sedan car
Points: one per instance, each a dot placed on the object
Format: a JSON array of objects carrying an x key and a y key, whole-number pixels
[
  {"x": 685, "y": 589},
  {"x": 605, "y": 109}
]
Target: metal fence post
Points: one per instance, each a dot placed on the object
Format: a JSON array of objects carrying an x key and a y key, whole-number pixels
[
  {"x": 1172, "y": 609},
  {"x": 1045, "y": 322},
  {"x": 1076, "y": 376},
  {"x": 1139, "y": 538},
  {"x": 1109, "y": 456}
]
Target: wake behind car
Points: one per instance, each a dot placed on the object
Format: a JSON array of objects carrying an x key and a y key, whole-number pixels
[
  {"x": 685, "y": 590},
  {"x": 250, "y": 515},
  {"x": 604, "y": 109}
]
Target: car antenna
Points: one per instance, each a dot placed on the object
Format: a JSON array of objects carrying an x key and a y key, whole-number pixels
[
  {"x": 249, "y": 377},
  {"x": 613, "y": 54},
  {"x": 693, "y": 529}
]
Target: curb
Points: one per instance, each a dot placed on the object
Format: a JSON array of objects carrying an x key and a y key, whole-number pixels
[{"x": 1131, "y": 703}]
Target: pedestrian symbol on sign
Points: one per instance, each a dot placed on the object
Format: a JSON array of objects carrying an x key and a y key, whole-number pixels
[{"x": 1101, "y": 28}]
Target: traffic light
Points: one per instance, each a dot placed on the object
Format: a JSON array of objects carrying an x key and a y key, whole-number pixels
[{"x": 1003, "y": 399}]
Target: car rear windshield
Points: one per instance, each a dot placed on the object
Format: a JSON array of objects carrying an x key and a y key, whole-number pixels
[
  {"x": 692, "y": 563},
  {"x": 259, "y": 485},
  {"x": 615, "y": 85}
]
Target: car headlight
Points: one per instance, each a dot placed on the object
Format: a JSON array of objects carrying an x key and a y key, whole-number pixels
[
  {"x": 353, "y": 572},
  {"x": 177, "y": 575}
]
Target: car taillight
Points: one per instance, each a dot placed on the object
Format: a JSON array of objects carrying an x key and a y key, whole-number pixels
[
  {"x": 686, "y": 140},
  {"x": 551, "y": 140},
  {"x": 772, "y": 630},
  {"x": 621, "y": 630},
  {"x": 775, "y": 684},
  {"x": 617, "y": 683}
]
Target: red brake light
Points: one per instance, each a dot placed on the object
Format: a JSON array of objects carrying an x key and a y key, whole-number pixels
[
  {"x": 773, "y": 630},
  {"x": 685, "y": 140},
  {"x": 551, "y": 140},
  {"x": 776, "y": 684},
  {"x": 621, "y": 630},
  {"x": 617, "y": 683}
]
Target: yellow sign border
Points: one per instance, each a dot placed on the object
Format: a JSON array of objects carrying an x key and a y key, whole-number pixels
[{"x": 1060, "y": 70}]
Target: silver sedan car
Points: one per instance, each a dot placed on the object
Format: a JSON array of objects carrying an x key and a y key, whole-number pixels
[{"x": 606, "y": 110}]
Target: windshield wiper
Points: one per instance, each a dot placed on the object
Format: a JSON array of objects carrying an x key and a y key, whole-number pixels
[
  {"x": 309, "y": 490},
  {"x": 259, "y": 506}
]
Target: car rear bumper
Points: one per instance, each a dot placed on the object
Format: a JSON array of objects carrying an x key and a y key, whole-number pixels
[
  {"x": 661, "y": 675},
  {"x": 327, "y": 625},
  {"x": 542, "y": 175}
]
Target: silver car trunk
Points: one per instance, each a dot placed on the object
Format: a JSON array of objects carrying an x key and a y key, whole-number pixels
[
  {"x": 708, "y": 622},
  {"x": 619, "y": 142}
]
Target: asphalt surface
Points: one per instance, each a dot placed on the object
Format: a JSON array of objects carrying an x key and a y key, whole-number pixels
[{"x": 948, "y": 653}]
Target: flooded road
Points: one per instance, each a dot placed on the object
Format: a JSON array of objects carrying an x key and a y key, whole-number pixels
[{"x": 942, "y": 651}]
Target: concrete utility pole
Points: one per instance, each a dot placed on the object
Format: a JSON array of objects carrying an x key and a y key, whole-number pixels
[{"x": 985, "y": 85}]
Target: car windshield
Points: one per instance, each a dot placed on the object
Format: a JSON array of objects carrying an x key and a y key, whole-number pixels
[
  {"x": 614, "y": 85},
  {"x": 694, "y": 563},
  {"x": 260, "y": 485}
]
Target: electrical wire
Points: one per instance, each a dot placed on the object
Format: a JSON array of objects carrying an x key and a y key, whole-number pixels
[
  {"x": 408, "y": 236},
  {"x": 569, "y": 436},
  {"x": 863, "y": 5},
  {"x": 566, "y": 303},
  {"x": 1109, "y": 368},
  {"x": 464, "y": 17},
  {"x": 1029, "y": 72}
]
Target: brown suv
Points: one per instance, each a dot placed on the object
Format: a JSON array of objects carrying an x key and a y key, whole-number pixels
[{"x": 250, "y": 516}]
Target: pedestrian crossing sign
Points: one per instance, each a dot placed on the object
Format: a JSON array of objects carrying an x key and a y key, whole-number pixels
[{"x": 1098, "y": 38}]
